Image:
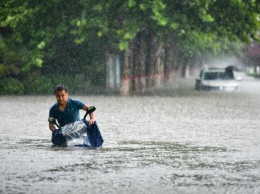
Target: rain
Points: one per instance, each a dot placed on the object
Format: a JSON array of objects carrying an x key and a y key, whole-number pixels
[{"x": 138, "y": 63}]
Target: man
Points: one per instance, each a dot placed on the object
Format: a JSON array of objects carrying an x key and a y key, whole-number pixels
[{"x": 66, "y": 110}]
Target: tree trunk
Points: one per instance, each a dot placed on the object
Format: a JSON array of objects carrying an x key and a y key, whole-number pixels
[
  {"x": 151, "y": 59},
  {"x": 153, "y": 66},
  {"x": 185, "y": 68},
  {"x": 158, "y": 76},
  {"x": 125, "y": 88},
  {"x": 138, "y": 82},
  {"x": 168, "y": 60}
]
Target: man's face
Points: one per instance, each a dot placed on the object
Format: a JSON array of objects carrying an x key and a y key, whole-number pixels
[{"x": 62, "y": 97}]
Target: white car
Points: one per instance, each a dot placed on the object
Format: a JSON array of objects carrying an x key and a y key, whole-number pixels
[{"x": 217, "y": 79}]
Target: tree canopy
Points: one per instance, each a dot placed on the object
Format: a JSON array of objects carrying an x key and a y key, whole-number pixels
[{"x": 68, "y": 35}]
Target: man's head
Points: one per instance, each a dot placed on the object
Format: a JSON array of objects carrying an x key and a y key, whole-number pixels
[
  {"x": 60, "y": 88},
  {"x": 62, "y": 94}
]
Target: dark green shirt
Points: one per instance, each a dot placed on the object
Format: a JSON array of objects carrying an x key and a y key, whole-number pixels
[{"x": 70, "y": 113}]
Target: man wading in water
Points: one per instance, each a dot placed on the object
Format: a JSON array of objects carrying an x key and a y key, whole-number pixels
[{"x": 66, "y": 110}]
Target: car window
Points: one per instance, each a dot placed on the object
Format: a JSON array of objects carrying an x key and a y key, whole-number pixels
[{"x": 218, "y": 76}]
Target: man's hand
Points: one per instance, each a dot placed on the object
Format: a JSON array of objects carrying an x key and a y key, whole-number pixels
[
  {"x": 91, "y": 115},
  {"x": 52, "y": 127},
  {"x": 91, "y": 121}
]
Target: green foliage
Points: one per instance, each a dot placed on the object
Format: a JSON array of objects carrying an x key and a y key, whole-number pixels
[
  {"x": 68, "y": 38},
  {"x": 45, "y": 85},
  {"x": 95, "y": 75},
  {"x": 40, "y": 85},
  {"x": 11, "y": 86}
]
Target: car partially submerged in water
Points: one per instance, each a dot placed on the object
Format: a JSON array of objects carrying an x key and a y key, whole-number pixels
[{"x": 220, "y": 79}]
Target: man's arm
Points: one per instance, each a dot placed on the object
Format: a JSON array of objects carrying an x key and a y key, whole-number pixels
[
  {"x": 52, "y": 127},
  {"x": 91, "y": 115}
]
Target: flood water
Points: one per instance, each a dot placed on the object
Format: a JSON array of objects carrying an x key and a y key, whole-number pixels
[{"x": 182, "y": 142}]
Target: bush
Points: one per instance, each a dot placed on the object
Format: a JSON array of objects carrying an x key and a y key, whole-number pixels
[
  {"x": 11, "y": 86},
  {"x": 40, "y": 85},
  {"x": 36, "y": 84},
  {"x": 46, "y": 84}
]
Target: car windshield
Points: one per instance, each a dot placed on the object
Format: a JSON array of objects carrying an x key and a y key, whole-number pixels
[{"x": 218, "y": 76}]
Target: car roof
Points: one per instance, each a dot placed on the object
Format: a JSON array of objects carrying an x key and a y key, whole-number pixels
[{"x": 214, "y": 69}]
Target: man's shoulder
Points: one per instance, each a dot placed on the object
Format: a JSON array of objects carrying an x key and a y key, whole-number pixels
[
  {"x": 53, "y": 109},
  {"x": 54, "y": 106},
  {"x": 72, "y": 100},
  {"x": 75, "y": 102}
]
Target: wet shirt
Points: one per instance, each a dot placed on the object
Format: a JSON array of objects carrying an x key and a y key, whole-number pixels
[{"x": 70, "y": 113}]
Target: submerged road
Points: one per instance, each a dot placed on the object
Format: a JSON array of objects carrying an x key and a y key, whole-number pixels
[{"x": 181, "y": 142}]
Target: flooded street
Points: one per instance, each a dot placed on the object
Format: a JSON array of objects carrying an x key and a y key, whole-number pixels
[{"x": 182, "y": 142}]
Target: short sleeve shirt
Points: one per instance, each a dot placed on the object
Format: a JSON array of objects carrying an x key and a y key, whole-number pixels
[{"x": 70, "y": 113}]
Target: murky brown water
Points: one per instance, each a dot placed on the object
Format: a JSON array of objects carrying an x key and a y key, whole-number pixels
[{"x": 182, "y": 142}]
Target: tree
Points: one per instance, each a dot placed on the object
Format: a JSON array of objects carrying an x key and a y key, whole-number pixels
[
  {"x": 27, "y": 28},
  {"x": 158, "y": 37},
  {"x": 252, "y": 55}
]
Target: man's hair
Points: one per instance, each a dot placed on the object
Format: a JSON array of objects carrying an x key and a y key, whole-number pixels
[{"x": 61, "y": 88}]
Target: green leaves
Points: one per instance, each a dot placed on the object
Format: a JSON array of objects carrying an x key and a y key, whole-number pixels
[
  {"x": 41, "y": 45},
  {"x": 205, "y": 16},
  {"x": 30, "y": 29},
  {"x": 131, "y": 3}
]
